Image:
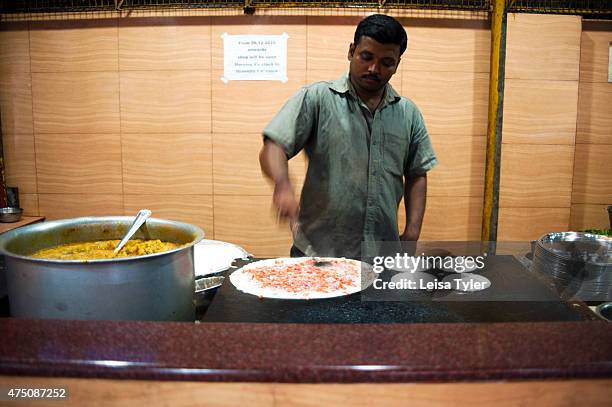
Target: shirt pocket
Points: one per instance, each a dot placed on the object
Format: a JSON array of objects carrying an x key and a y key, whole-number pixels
[{"x": 395, "y": 153}]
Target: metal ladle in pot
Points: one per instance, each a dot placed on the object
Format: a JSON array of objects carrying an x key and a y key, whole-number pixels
[{"x": 141, "y": 217}]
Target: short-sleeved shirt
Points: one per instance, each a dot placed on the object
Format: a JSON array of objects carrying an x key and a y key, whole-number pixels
[{"x": 355, "y": 176}]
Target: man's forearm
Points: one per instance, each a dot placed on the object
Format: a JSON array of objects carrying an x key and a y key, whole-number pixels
[
  {"x": 274, "y": 163},
  {"x": 415, "y": 194}
]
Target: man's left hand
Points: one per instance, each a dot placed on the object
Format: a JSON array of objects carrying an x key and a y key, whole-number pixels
[{"x": 411, "y": 234}]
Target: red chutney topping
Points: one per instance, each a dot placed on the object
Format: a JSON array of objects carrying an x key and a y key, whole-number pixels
[{"x": 305, "y": 277}]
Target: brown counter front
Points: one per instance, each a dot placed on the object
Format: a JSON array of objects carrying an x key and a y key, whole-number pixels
[{"x": 306, "y": 353}]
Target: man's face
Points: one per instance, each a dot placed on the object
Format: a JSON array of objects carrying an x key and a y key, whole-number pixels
[{"x": 372, "y": 64}]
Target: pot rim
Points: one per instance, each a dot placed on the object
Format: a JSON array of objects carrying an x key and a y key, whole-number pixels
[{"x": 10, "y": 235}]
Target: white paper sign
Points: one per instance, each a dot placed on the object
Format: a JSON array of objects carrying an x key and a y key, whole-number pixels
[
  {"x": 254, "y": 57},
  {"x": 610, "y": 63}
]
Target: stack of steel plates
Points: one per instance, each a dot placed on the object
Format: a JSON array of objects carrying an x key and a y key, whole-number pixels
[{"x": 579, "y": 263}]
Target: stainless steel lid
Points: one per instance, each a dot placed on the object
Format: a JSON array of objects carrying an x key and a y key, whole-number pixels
[
  {"x": 578, "y": 246},
  {"x": 580, "y": 264}
]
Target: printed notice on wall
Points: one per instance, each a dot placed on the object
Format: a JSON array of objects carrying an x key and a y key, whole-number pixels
[
  {"x": 610, "y": 63},
  {"x": 254, "y": 57}
]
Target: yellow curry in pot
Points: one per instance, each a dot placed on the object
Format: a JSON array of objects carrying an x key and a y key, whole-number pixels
[{"x": 104, "y": 249}]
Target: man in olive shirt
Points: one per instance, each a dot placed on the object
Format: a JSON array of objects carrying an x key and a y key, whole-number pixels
[{"x": 361, "y": 139}]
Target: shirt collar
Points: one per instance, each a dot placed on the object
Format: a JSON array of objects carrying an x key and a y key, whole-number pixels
[{"x": 344, "y": 85}]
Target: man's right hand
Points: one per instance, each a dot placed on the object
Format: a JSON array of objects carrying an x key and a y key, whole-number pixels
[
  {"x": 285, "y": 202},
  {"x": 274, "y": 165}
]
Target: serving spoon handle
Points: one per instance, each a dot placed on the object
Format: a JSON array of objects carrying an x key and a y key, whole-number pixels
[{"x": 141, "y": 217}]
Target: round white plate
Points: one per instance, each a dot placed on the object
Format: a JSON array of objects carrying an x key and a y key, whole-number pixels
[{"x": 214, "y": 256}]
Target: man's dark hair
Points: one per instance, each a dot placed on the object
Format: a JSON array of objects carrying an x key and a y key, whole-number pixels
[{"x": 382, "y": 28}]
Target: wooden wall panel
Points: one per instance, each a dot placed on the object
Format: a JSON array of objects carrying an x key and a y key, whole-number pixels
[
  {"x": 78, "y": 164},
  {"x": 460, "y": 169},
  {"x": 131, "y": 393},
  {"x": 500, "y": 394},
  {"x": 194, "y": 209},
  {"x": 543, "y": 46},
  {"x": 61, "y": 206},
  {"x": 521, "y": 224},
  {"x": 16, "y": 113},
  {"x": 236, "y": 169},
  {"x": 592, "y": 180},
  {"x": 20, "y": 161},
  {"x": 540, "y": 112},
  {"x": 592, "y": 191},
  {"x": 452, "y": 218},
  {"x": 29, "y": 204},
  {"x": 452, "y": 104},
  {"x": 248, "y": 106},
  {"x": 536, "y": 176},
  {"x": 14, "y": 48},
  {"x": 164, "y": 44},
  {"x": 172, "y": 164},
  {"x": 250, "y": 222},
  {"x": 447, "y": 46},
  {"x": 542, "y": 62},
  {"x": 73, "y": 46},
  {"x": 16, "y": 103},
  {"x": 76, "y": 102},
  {"x": 594, "y": 54},
  {"x": 328, "y": 44},
  {"x": 595, "y": 113},
  {"x": 128, "y": 393},
  {"x": 165, "y": 101},
  {"x": 589, "y": 216},
  {"x": 448, "y": 218}
]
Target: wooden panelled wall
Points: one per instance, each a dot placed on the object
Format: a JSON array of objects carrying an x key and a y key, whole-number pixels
[
  {"x": 129, "y": 393},
  {"x": 539, "y": 127},
  {"x": 592, "y": 191},
  {"x": 104, "y": 117}
]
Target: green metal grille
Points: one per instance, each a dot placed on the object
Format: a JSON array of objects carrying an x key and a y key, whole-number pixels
[
  {"x": 141, "y": 4},
  {"x": 420, "y": 4},
  {"x": 587, "y": 8},
  {"x": 592, "y": 8},
  {"x": 63, "y": 6},
  {"x": 106, "y": 5}
]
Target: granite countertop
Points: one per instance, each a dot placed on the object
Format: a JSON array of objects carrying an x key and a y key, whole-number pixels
[
  {"x": 344, "y": 340},
  {"x": 298, "y": 353}
]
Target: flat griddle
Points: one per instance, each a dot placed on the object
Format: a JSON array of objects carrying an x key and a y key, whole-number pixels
[{"x": 512, "y": 284}]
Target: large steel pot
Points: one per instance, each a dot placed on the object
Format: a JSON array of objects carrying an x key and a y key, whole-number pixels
[{"x": 155, "y": 287}]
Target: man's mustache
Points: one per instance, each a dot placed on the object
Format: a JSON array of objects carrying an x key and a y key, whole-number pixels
[{"x": 373, "y": 77}]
